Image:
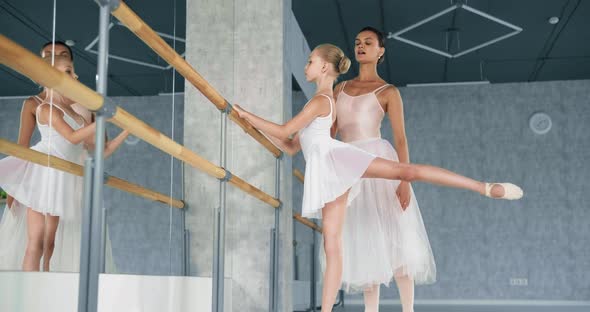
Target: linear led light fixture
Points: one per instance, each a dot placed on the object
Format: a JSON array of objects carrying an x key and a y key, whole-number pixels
[
  {"x": 170, "y": 93},
  {"x": 447, "y": 84},
  {"x": 397, "y": 35},
  {"x": 90, "y": 49}
]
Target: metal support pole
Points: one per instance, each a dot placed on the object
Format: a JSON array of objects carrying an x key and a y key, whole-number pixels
[
  {"x": 271, "y": 278},
  {"x": 186, "y": 256},
  {"x": 219, "y": 229},
  {"x": 103, "y": 239},
  {"x": 93, "y": 243},
  {"x": 312, "y": 289},
  {"x": 101, "y": 87},
  {"x": 85, "y": 246},
  {"x": 277, "y": 226},
  {"x": 185, "y": 233}
]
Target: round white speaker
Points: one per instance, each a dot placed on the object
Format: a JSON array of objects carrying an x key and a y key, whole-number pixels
[{"x": 540, "y": 123}]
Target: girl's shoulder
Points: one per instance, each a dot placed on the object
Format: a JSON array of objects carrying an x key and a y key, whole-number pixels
[
  {"x": 30, "y": 104},
  {"x": 321, "y": 99}
]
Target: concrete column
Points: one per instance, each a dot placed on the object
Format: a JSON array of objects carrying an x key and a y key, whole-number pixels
[{"x": 239, "y": 47}]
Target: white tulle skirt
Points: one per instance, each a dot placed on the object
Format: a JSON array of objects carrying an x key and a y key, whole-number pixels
[
  {"x": 43, "y": 189},
  {"x": 380, "y": 240},
  {"x": 48, "y": 191},
  {"x": 332, "y": 168}
]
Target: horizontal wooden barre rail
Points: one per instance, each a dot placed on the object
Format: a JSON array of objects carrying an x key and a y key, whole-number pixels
[
  {"x": 299, "y": 175},
  {"x": 32, "y": 66},
  {"x": 15, "y": 150},
  {"x": 307, "y": 222},
  {"x": 143, "y": 31}
]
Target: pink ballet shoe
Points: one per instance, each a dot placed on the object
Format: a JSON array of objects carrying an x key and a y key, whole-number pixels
[{"x": 511, "y": 191}]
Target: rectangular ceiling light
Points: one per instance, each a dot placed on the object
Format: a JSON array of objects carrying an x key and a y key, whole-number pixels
[
  {"x": 397, "y": 35},
  {"x": 90, "y": 49}
]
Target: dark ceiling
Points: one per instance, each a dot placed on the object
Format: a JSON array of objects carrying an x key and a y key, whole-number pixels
[
  {"x": 542, "y": 51},
  {"x": 30, "y": 22}
]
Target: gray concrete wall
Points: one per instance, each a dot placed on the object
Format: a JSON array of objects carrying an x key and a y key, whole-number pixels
[
  {"x": 146, "y": 236},
  {"x": 297, "y": 54},
  {"x": 480, "y": 244},
  {"x": 239, "y": 48}
]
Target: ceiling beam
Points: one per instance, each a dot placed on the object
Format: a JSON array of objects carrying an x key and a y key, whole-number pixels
[
  {"x": 552, "y": 38},
  {"x": 382, "y": 23},
  {"x": 347, "y": 44}
]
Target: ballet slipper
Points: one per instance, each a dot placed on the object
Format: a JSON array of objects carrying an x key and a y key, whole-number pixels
[{"x": 511, "y": 191}]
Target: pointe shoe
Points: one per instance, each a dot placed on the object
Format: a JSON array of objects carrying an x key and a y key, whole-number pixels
[{"x": 511, "y": 191}]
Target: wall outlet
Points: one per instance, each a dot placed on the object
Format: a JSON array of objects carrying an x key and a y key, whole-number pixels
[{"x": 515, "y": 281}]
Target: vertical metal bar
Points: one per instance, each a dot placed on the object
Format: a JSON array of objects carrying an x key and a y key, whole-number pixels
[
  {"x": 312, "y": 289},
  {"x": 222, "y": 210},
  {"x": 85, "y": 247},
  {"x": 271, "y": 297},
  {"x": 187, "y": 252},
  {"x": 219, "y": 258},
  {"x": 295, "y": 259},
  {"x": 101, "y": 87},
  {"x": 276, "y": 292},
  {"x": 186, "y": 233},
  {"x": 103, "y": 240},
  {"x": 215, "y": 274},
  {"x": 96, "y": 259},
  {"x": 219, "y": 243}
]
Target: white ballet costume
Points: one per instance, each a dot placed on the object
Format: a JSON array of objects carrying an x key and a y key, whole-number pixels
[
  {"x": 380, "y": 240},
  {"x": 47, "y": 191},
  {"x": 331, "y": 167}
]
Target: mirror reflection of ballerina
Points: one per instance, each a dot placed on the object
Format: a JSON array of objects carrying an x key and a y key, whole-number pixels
[{"x": 44, "y": 219}]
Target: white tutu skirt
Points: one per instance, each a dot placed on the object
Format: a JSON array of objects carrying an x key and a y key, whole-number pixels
[
  {"x": 380, "y": 240},
  {"x": 48, "y": 191},
  {"x": 331, "y": 168}
]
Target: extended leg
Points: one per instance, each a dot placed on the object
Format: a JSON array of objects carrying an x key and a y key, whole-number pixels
[{"x": 388, "y": 169}]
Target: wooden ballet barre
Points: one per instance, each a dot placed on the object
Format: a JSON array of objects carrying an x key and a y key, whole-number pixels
[
  {"x": 143, "y": 31},
  {"x": 299, "y": 175},
  {"x": 19, "y": 151},
  {"x": 32, "y": 66},
  {"x": 307, "y": 222}
]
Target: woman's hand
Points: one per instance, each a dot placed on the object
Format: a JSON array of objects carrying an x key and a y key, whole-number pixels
[
  {"x": 241, "y": 112},
  {"x": 403, "y": 194}
]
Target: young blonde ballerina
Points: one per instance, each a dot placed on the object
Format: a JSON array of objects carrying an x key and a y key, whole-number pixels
[
  {"x": 44, "y": 220},
  {"x": 383, "y": 234},
  {"x": 333, "y": 168}
]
